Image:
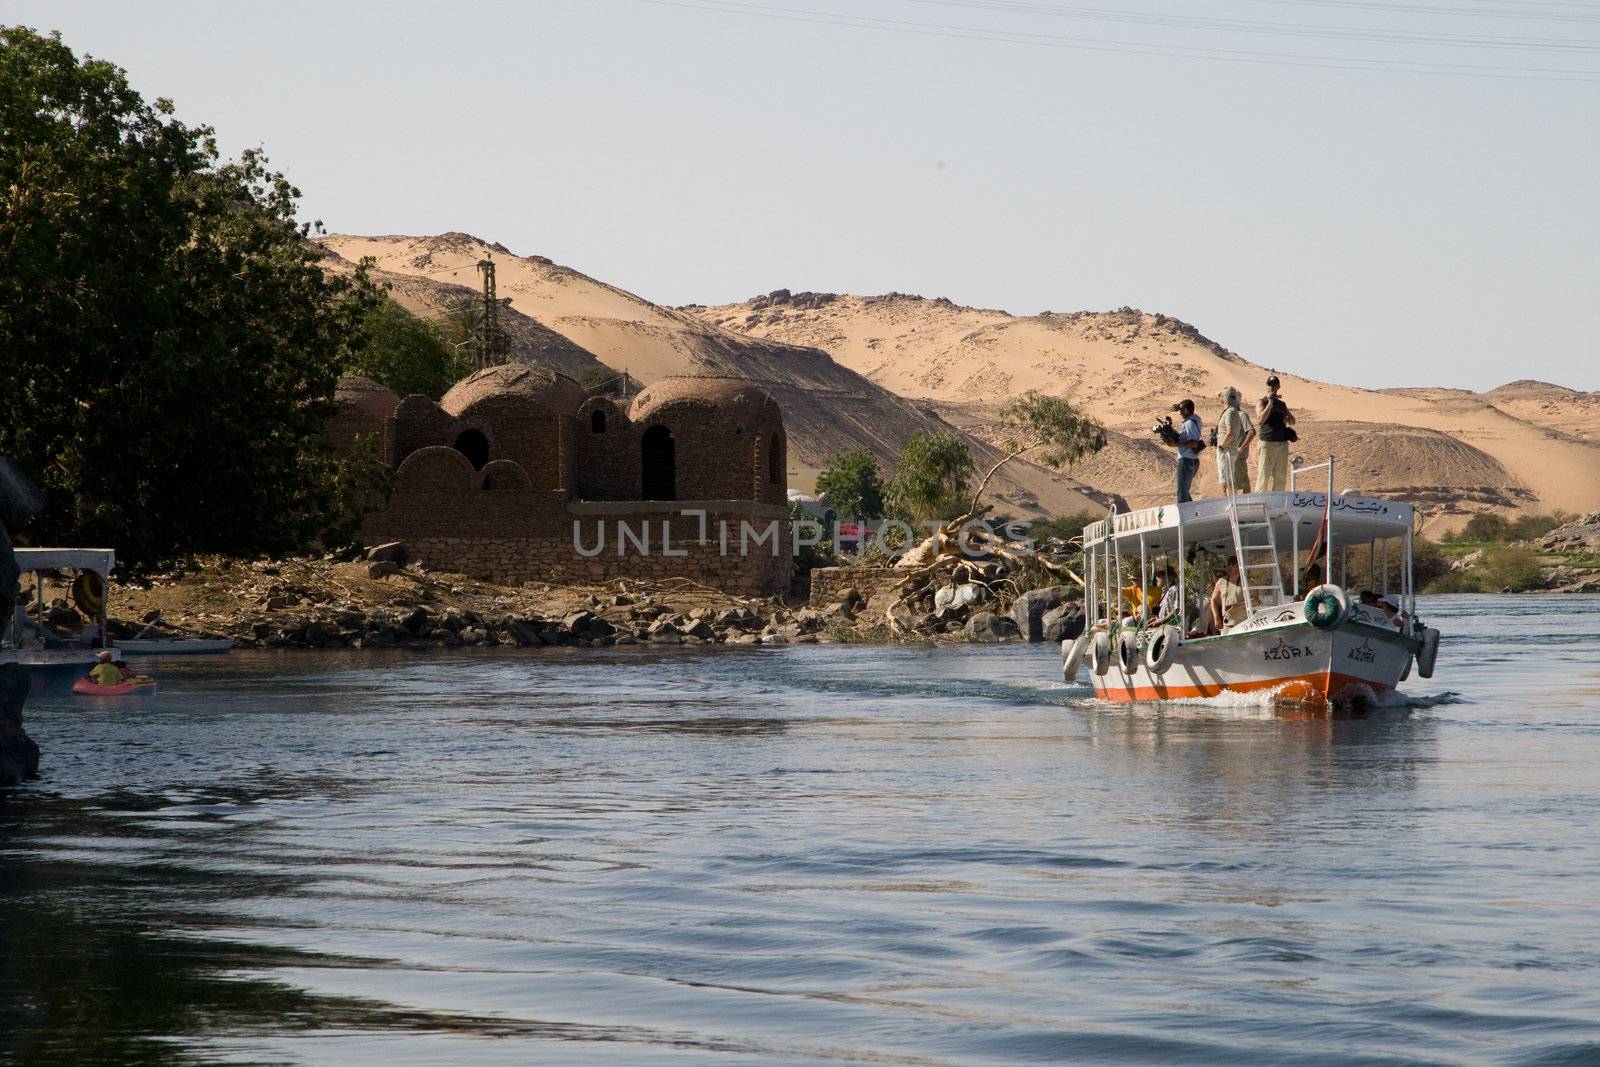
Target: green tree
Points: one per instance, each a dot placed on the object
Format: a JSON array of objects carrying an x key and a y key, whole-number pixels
[
  {"x": 462, "y": 321},
  {"x": 853, "y": 484},
  {"x": 1057, "y": 434},
  {"x": 406, "y": 354},
  {"x": 170, "y": 342},
  {"x": 1484, "y": 526},
  {"x": 931, "y": 476}
]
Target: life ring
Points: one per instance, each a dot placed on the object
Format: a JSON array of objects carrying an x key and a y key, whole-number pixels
[
  {"x": 1162, "y": 649},
  {"x": 1429, "y": 652},
  {"x": 1128, "y": 651},
  {"x": 1325, "y": 607},
  {"x": 1072, "y": 651},
  {"x": 1100, "y": 653},
  {"x": 89, "y": 593}
]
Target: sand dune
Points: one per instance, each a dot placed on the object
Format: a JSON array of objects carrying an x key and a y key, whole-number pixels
[{"x": 1516, "y": 448}]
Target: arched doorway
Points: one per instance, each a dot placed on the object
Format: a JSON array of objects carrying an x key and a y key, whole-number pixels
[
  {"x": 597, "y": 421},
  {"x": 475, "y": 446},
  {"x": 658, "y": 464}
]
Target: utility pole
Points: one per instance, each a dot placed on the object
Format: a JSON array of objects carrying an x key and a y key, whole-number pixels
[{"x": 492, "y": 346}]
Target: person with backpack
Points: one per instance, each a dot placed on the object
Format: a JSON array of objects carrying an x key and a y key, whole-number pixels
[
  {"x": 1275, "y": 428},
  {"x": 1234, "y": 433}
]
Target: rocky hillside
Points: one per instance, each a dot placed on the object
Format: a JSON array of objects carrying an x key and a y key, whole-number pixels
[
  {"x": 570, "y": 321},
  {"x": 1526, "y": 446}
]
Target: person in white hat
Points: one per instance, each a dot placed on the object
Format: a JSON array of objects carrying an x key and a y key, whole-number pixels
[{"x": 105, "y": 672}]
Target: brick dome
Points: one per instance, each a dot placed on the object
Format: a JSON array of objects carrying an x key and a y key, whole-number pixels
[
  {"x": 746, "y": 402},
  {"x": 549, "y": 389},
  {"x": 366, "y": 396}
]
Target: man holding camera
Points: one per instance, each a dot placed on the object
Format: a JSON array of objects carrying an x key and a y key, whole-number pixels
[
  {"x": 1275, "y": 430},
  {"x": 1188, "y": 443}
]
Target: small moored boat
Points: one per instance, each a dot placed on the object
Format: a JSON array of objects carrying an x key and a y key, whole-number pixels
[
  {"x": 1308, "y": 646},
  {"x": 86, "y": 687}
]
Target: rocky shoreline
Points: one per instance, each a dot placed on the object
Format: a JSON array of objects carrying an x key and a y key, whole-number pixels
[{"x": 388, "y": 602}]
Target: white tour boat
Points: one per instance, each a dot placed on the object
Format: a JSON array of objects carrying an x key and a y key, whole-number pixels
[{"x": 1308, "y": 646}]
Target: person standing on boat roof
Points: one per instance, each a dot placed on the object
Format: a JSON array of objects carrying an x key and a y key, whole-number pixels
[
  {"x": 1189, "y": 445},
  {"x": 1275, "y": 423},
  {"x": 1234, "y": 433}
]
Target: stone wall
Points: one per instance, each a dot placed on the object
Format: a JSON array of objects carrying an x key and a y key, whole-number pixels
[
  {"x": 627, "y": 541},
  {"x": 828, "y": 582}
]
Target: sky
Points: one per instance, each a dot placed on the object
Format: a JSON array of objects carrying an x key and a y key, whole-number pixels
[{"x": 1372, "y": 192}]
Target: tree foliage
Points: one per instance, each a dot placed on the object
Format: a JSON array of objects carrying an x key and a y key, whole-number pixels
[
  {"x": 406, "y": 354},
  {"x": 170, "y": 343},
  {"x": 1487, "y": 526},
  {"x": 853, "y": 484},
  {"x": 931, "y": 476},
  {"x": 1050, "y": 427}
]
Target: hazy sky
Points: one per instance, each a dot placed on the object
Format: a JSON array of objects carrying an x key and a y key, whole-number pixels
[{"x": 1374, "y": 226}]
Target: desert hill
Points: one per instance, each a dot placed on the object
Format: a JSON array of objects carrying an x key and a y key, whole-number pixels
[
  {"x": 567, "y": 320},
  {"x": 1516, "y": 448}
]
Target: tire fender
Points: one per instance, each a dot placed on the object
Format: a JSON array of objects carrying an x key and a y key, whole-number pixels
[
  {"x": 1429, "y": 652},
  {"x": 1072, "y": 653},
  {"x": 1163, "y": 647},
  {"x": 1128, "y": 656},
  {"x": 1100, "y": 653},
  {"x": 1325, "y": 607}
]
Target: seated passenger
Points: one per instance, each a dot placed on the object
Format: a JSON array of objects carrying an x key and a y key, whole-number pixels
[
  {"x": 1227, "y": 598},
  {"x": 1312, "y": 580},
  {"x": 1171, "y": 597},
  {"x": 1390, "y": 612},
  {"x": 105, "y": 672}
]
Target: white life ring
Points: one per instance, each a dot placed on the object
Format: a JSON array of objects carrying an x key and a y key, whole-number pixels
[
  {"x": 1128, "y": 651},
  {"x": 1325, "y": 606},
  {"x": 1162, "y": 649},
  {"x": 1100, "y": 653},
  {"x": 1072, "y": 651},
  {"x": 1429, "y": 652}
]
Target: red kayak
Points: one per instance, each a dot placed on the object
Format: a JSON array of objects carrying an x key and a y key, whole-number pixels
[{"x": 88, "y": 688}]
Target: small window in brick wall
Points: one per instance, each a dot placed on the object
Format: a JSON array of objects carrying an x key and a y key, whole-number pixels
[
  {"x": 597, "y": 421},
  {"x": 475, "y": 446}
]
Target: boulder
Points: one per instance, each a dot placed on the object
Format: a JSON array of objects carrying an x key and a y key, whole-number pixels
[
  {"x": 1064, "y": 623},
  {"x": 1029, "y": 609},
  {"x": 587, "y": 624},
  {"x": 393, "y": 552},
  {"x": 986, "y": 626},
  {"x": 382, "y": 568}
]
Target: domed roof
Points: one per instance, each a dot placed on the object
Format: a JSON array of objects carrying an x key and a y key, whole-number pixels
[
  {"x": 366, "y": 396},
  {"x": 548, "y": 388},
  {"x": 749, "y": 404}
]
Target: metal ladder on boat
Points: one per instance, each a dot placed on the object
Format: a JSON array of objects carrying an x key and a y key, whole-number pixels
[{"x": 1257, "y": 548}]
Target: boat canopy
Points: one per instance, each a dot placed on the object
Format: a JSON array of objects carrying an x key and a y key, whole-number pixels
[
  {"x": 101, "y": 561},
  {"x": 1295, "y": 516}
]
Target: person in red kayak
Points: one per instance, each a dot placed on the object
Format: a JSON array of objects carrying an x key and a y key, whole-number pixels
[{"x": 105, "y": 672}]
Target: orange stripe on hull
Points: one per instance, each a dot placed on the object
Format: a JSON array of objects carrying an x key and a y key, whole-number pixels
[{"x": 1317, "y": 688}]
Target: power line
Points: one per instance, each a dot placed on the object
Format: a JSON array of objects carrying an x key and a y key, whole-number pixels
[
  {"x": 1279, "y": 29},
  {"x": 1347, "y": 63}
]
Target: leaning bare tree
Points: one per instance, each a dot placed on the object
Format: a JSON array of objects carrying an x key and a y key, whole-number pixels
[{"x": 1051, "y": 432}]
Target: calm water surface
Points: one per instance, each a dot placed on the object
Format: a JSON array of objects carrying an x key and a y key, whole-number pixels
[{"x": 813, "y": 854}]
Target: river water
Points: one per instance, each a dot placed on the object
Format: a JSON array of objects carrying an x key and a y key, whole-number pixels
[{"x": 810, "y": 854}]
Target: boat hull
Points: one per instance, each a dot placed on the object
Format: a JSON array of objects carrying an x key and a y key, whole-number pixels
[{"x": 1353, "y": 663}]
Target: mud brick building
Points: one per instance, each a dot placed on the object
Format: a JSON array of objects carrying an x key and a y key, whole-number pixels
[{"x": 517, "y": 474}]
